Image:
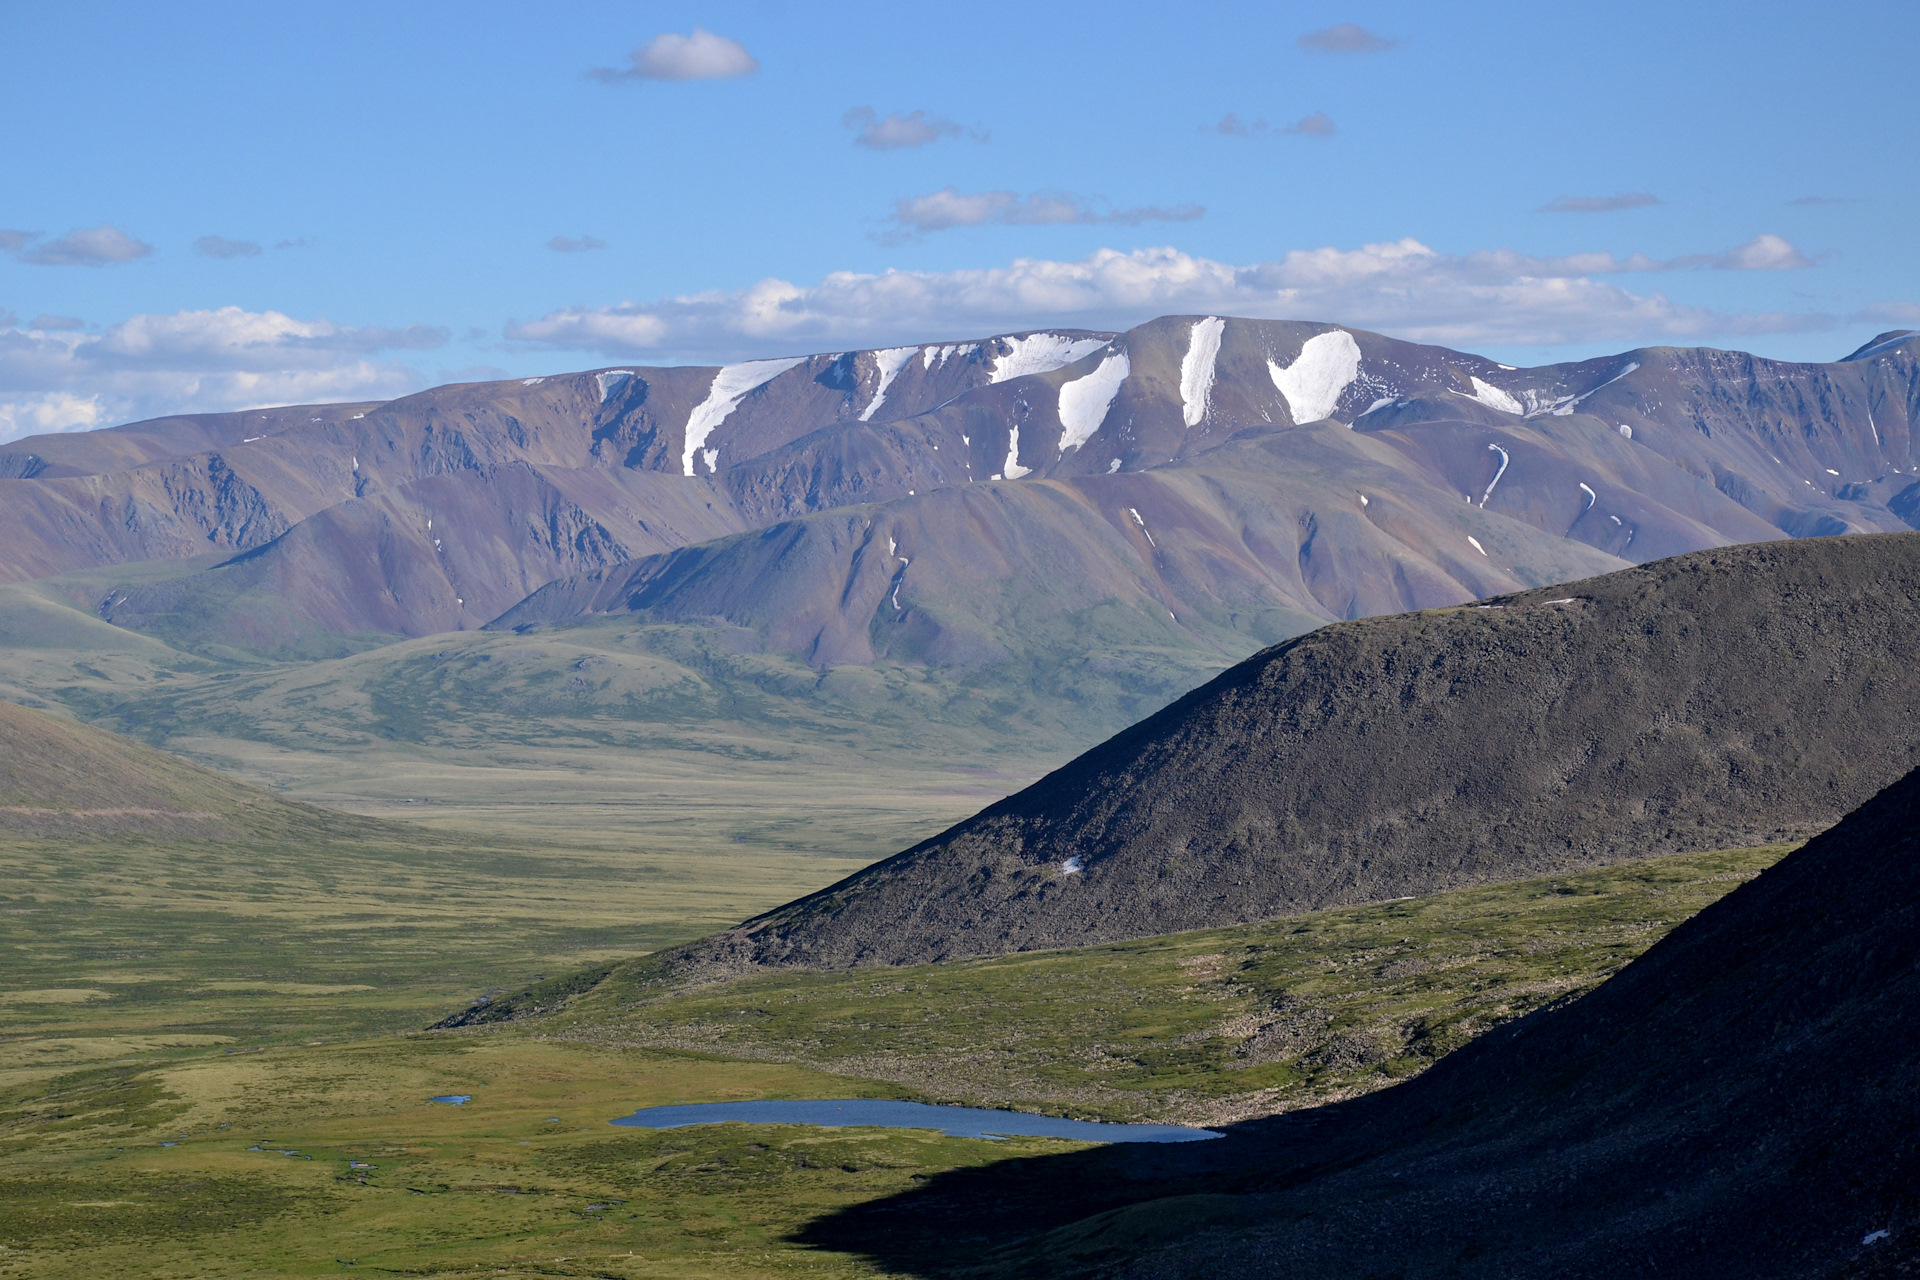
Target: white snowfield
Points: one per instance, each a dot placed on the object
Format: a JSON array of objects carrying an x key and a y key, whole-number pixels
[
  {"x": 730, "y": 386},
  {"x": 1494, "y": 398},
  {"x": 1084, "y": 401},
  {"x": 608, "y": 382},
  {"x": 1013, "y": 470},
  {"x": 933, "y": 357},
  {"x": 888, "y": 364},
  {"x": 1476, "y": 544},
  {"x": 1327, "y": 364},
  {"x": 1042, "y": 353},
  {"x": 1565, "y": 405},
  {"x": 1196, "y": 368},
  {"x": 1592, "y": 497}
]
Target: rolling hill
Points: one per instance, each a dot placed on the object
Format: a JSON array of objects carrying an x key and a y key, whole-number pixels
[
  {"x": 62, "y": 779},
  {"x": 1734, "y": 697}
]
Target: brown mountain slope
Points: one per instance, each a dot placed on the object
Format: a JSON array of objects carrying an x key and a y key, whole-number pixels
[
  {"x": 1733, "y": 697},
  {"x": 1641, "y": 455},
  {"x": 1258, "y": 539}
]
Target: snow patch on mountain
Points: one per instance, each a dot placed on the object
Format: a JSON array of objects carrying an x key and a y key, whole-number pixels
[
  {"x": 1196, "y": 369},
  {"x": 888, "y": 364},
  {"x": 608, "y": 383},
  {"x": 1327, "y": 364},
  {"x": 1041, "y": 353},
  {"x": 1013, "y": 470},
  {"x": 1084, "y": 401},
  {"x": 730, "y": 386},
  {"x": 1494, "y": 398}
]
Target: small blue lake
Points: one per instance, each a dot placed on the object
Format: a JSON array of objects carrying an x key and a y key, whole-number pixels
[{"x": 957, "y": 1122}]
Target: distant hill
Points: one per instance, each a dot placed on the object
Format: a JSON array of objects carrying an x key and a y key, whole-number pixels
[
  {"x": 1736, "y": 1103},
  {"x": 1449, "y": 476},
  {"x": 1734, "y": 697},
  {"x": 61, "y": 779}
]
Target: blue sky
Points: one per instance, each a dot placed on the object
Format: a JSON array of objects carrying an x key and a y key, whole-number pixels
[{"x": 1753, "y": 165}]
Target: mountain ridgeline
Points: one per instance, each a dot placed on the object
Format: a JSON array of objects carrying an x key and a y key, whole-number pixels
[
  {"x": 1734, "y": 697},
  {"x": 1205, "y": 481}
]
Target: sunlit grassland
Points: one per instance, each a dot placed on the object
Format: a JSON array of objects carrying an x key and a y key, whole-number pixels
[
  {"x": 530, "y": 1179},
  {"x": 1205, "y": 1026},
  {"x": 526, "y": 1179}
]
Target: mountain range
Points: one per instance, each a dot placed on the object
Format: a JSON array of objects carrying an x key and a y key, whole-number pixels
[{"x": 1198, "y": 481}]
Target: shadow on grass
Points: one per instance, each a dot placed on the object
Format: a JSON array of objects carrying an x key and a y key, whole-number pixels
[{"x": 1057, "y": 1214}]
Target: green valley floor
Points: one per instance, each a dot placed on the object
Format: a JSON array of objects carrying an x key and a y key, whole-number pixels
[{"x": 203, "y": 1075}]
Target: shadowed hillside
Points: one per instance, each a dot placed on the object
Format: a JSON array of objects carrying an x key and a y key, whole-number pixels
[
  {"x": 1734, "y": 697},
  {"x": 1738, "y": 1102}
]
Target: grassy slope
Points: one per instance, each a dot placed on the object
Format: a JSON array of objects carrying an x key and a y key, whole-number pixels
[
  {"x": 1205, "y": 1026},
  {"x": 589, "y": 733},
  {"x": 86, "y": 1187}
]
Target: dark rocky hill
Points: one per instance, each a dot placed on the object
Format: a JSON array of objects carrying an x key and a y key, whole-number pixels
[
  {"x": 1746, "y": 695},
  {"x": 1739, "y": 1102}
]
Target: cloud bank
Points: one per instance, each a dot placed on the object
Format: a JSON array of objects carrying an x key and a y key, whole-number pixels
[
  {"x": 54, "y": 376},
  {"x": 1401, "y": 287},
  {"x": 700, "y": 56}
]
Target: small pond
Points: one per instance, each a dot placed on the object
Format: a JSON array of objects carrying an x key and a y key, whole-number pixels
[{"x": 958, "y": 1122}]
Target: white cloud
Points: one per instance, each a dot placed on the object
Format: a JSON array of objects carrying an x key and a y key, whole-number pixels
[
  {"x": 81, "y": 247},
  {"x": 917, "y": 215},
  {"x": 1888, "y": 313},
  {"x": 892, "y": 132},
  {"x": 1232, "y": 126},
  {"x": 1317, "y": 125},
  {"x": 1400, "y": 287},
  {"x": 700, "y": 56},
  {"x": 1345, "y": 37},
  {"x": 567, "y": 244},
  {"x": 1599, "y": 204},
  {"x": 58, "y": 379},
  {"x": 1762, "y": 253},
  {"x": 221, "y": 247}
]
